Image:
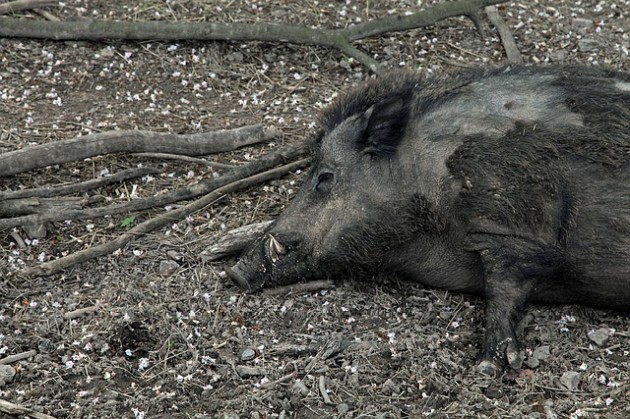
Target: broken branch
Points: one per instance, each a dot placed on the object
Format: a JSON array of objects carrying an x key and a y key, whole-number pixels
[
  {"x": 42, "y": 155},
  {"x": 230, "y": 182},
  {"x": 509, "y": 44}
]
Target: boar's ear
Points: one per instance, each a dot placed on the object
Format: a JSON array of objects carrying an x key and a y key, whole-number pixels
[{"x": 384, "y": 125}]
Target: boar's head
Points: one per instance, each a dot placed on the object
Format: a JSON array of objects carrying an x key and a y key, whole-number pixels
[{"x": 341, "y": 220}]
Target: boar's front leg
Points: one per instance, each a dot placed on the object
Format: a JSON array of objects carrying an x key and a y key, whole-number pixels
[{"x": 512, "y": 268}]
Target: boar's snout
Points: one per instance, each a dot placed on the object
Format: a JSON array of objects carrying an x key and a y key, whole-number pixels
[
  {"x": 242, "y": 278},
  {"x": 257, "y": 266}
]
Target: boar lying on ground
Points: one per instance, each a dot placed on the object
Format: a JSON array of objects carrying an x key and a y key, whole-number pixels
[{"x": 513, "y": 184}]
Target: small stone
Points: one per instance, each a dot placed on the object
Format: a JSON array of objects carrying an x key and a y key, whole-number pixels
[
  {"x": 493, "y": 391},
  {"x": 176, "y": 256},
  {"x": 540, "y": 354},
  {"x": 248, "y": 354},
  {"x": 45, "y": 346},
  {"x": 107, "y": 52},
  {"x": 599, "y": 336},
  {"x": 244, "y": 371},
  {"x": 35, "y": 231},
  {"x": 168, "y": 268},
  {"x": 299, "y": 388},
  {"x": 570, "y": 380},
  {"x": 589, "y": 45},
  {"x": 343, "y": 408},
  {"x": 353, "y": 380},
  {"x": 390, "y": 388},
  {"x": 557, "y": 56},
  {"x": 7, "y": 372},
  {"x": 582, "y": 23}
]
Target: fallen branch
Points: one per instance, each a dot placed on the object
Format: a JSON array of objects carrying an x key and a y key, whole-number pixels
[
  {"x": 340, "y": 39},
  {"x": 16, "y": 6},
  {"x": 234, "y": 241},
  {"x": 181, "y": 194},
  {"x": 228, "y": 183},
  {"x": 78, "y": 187},
  {"x": 16, "y": 409},
  {"x": 59, "y": 205},
  {"x": 42, "y": 155},
  {"x": 509, "y": 44}
]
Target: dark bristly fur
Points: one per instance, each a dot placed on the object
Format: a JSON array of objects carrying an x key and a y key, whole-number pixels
[{"x": 510, "y": 183}]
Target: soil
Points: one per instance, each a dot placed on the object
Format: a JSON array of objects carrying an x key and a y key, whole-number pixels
[{"x": 166, "y": 335}]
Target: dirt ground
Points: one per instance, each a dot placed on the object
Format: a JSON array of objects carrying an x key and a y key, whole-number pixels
[{"x": 183, "y": 342}]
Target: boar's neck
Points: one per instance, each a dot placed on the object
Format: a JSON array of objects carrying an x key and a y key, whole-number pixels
[{"x": 433, "y": 254}]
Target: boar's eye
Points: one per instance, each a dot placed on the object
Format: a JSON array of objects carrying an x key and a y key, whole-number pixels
[{"x": 325, "y": 181}]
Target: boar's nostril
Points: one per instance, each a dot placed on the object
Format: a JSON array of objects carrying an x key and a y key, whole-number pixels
[{"x": 275, "y": 249}]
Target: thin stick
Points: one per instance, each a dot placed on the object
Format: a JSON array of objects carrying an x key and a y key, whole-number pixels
[
  {"x": 280, "y": 380},
  {"x": 79, "y": 187},
  {"x": 300, "y": 288},
  {"x": 167, "y": 156},
  {"x": 17, "y": 357},
  {"x": 81, "y": 312},
  {"x": 323, "y": 391}
]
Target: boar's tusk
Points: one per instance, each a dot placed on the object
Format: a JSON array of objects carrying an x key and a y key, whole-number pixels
[{"x": 275, "y": 249}]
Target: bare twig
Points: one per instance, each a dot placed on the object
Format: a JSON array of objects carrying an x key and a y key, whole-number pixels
[
  {"x": 80, "y": 312},
  {"x": 323, "y": 391},
  {"x": 16, "y": 6},
  {"x": 509, "y": 44},
  {"x": 46, "y": 15},
  {"x": 17, "y": 357},
  {"x": 280, "y": 380},
  {"x": 169, "y": 31},
  {"x": 16, "y": 409},
  {"x": 79, "y": 148},
  {"x": 78, "y": 187},
  {"x": 188, "y": 159},
  {"x": 229, "y": 183},
  {"x": 299, "y": 288}
]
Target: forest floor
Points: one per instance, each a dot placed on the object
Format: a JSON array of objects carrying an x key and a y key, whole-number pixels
[{"x": 183, "y": 341}]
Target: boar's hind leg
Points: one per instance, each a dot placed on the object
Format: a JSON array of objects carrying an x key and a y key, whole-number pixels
[{"x": 511, "y": 272}]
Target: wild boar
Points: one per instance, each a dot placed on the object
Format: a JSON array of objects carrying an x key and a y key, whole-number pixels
[{"x": 511, "y": 183}]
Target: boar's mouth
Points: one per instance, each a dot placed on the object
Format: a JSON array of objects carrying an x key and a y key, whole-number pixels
[{"x": 254, "y": 269}]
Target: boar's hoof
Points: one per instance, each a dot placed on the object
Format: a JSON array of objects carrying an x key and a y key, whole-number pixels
[{"x": 490, "y": 368}]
